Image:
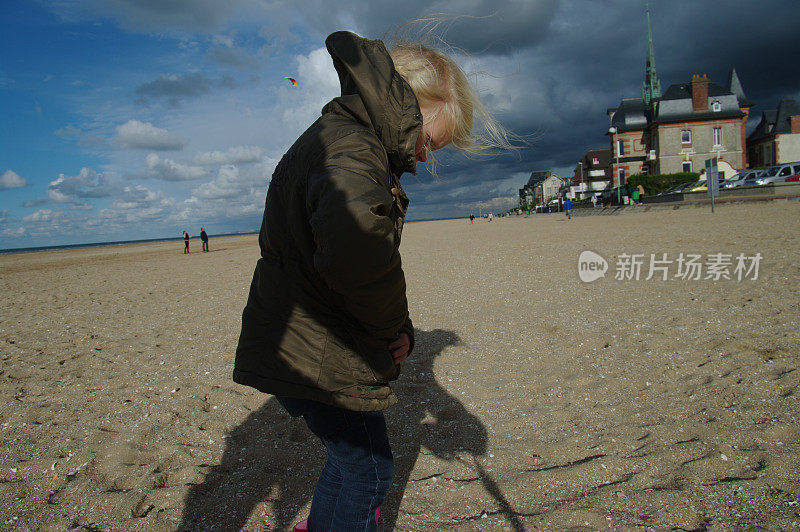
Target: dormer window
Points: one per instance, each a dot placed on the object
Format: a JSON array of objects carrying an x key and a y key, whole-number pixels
[
  {"x": 595, "y": 161},
  {"x": 716, "y": 106}
]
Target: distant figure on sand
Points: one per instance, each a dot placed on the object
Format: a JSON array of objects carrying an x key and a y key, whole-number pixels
[
  {"x": 594, "y": 201},
  {"x": 568, "y": 208},
  {"x": 204, "y": 238},
  {"x": 472, "y": 218},
  {"x": 185, "y": 242},
  {"x": 490, "y": 217}
]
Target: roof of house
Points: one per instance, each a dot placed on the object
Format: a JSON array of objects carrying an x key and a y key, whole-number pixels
[
  {"x": 537, "y": 177},
  {"x": 676, "y": 104},
  {"x": 776, "y": 121},
  {"x": 630, "y": 115},
  {"x": 603, "y": 158},
  {"x": 735, "y": 87}
]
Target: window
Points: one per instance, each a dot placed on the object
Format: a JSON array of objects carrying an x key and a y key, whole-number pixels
[
  {"x": 717, "y": 136},
  {"x": 621, "y": 176},
  {"x": 595, "y": 161},
  {"x": 644, "y": 170},
  {"x": 687, "y": 166},
  {"x": 686, "y": 136},
  {"x": 620, "y": 148},
  {"x": 716, "y": 106}
]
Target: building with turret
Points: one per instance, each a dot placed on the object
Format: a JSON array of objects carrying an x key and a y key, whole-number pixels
[{"x": 678, "y": 130}]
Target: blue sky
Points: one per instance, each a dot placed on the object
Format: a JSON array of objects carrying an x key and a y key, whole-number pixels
[{"x": 128, "y": 119}]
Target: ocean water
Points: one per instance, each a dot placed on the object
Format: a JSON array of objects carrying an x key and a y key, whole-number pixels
[
  {"x": 117, "y": 243},
  {"x": 170, "y": 239}
]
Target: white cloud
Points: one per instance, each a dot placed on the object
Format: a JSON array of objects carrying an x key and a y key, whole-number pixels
[
  {"x": 43, "y": 215},
  {"x": 87, "y": 184},
  {"x": 234, "y": 155},
  {"x": 14, "y": 232},
  {"x": 137, "y": 204},
  {"x": 35, "y": 202},
  {"x": 501, "y": 203},
  {"x": 145, "y": 136},
  {"x": 169, "y": 170},
  {"x": 226, "y": 185},
  {"x": 317, "y": 84},
  {"x": 244, "y": 188},
  {"x": 11, "y": 179}
]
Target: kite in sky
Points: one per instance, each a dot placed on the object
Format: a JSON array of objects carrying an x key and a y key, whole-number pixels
[{"x": 294, "y": 81}]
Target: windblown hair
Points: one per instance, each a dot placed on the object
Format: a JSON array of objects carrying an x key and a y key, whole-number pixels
[{"x": 437, "y": 79}]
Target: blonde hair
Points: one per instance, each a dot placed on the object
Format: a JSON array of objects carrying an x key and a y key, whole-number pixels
[{"x": 437, "y": 79}]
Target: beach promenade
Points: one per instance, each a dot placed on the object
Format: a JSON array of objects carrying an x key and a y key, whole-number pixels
[{"x": 533, "y": 401}]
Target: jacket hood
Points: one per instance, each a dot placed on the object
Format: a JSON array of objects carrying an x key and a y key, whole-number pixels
[{"x": 387, "y": 103}]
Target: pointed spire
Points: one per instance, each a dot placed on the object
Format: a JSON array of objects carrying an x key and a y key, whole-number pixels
[
  {"x": 735, "y": 87},
  {"x": 652, "y": 86}
]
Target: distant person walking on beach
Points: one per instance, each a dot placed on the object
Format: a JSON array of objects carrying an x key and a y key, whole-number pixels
[
  {"x": 326, "y": 324},
  {"x": 204, "y": 238},
  {"x": 594, "y": 201},
  {"x": 472, "y": 218},
  {"x": 185, "y": 242},
  {"x": 568, "y": 208}
]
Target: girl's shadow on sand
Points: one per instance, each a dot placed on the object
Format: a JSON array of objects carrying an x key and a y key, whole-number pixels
[{"x": 274, "y": 458}]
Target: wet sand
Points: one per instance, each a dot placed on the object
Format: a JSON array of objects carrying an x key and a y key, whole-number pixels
[{"x": 533, "y": 401}]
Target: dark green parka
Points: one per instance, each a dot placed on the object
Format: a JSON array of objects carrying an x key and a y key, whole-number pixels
[{"x": 328, "y": 295}]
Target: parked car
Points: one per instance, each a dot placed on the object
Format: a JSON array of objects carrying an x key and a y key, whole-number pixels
[
  {"x": 739, "y": 179},
  {"x": 675, "y": 189},
  {"x": 778, "y": 173},
  {"x": 699, "y": 186},
  {"x": 554, "y": 205}
]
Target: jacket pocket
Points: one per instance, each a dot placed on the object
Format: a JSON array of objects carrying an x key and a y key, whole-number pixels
[{"x": 354, "y": 362}]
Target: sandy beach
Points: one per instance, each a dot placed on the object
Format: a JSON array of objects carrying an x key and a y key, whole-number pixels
[{"x": 533, "y": 401}]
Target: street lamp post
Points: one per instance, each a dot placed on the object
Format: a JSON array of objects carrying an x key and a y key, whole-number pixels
[{"x": 613, "y": 132}]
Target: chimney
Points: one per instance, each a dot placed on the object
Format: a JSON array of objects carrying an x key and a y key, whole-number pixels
[
  {"x": 699, "y": 93},
  {"x": 794, "y": 121}
]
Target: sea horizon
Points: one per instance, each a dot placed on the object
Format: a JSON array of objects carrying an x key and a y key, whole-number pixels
[{"x": 34, "y": 249}]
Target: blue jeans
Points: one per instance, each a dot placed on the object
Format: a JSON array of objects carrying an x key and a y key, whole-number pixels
[{"x": 358, "y": 472}]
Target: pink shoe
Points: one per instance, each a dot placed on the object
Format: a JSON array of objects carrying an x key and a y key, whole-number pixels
[{"x": 302, "y": 526}]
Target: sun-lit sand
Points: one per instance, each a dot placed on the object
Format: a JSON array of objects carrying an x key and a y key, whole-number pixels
[{"x": 533, "y": 400}]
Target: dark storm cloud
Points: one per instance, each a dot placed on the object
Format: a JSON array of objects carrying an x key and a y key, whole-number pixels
[
  {"x": 231, "y": 57},
  {"x": 173, "y": 87},
  {"x": 157, "y": 15},
  {"x": 758, "y": 39},
  {"x": 594, "y": 54},
  {"x": 474, "y": 26}
]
